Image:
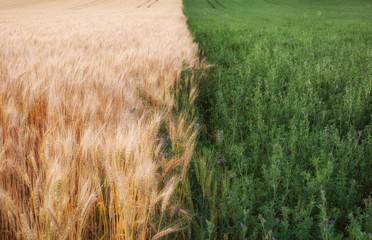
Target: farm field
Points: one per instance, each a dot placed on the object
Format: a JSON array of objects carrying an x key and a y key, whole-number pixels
[
  {"x": 287, "y": 112},
  {"x": 88, "y": 116}
]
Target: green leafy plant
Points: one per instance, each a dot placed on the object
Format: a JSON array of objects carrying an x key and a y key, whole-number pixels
[{"x": 288, "y": 104}]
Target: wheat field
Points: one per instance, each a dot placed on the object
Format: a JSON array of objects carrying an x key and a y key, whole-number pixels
[{"x": 87, "y": 99}]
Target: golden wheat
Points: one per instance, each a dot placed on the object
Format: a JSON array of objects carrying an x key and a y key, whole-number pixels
[{"x": 85, "y": 87}]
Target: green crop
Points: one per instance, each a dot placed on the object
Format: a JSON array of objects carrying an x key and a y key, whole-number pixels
[{"x": 287, "y": 108}]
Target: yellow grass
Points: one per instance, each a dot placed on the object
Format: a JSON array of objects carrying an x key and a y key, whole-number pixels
[{"x": 85, "y": 87}]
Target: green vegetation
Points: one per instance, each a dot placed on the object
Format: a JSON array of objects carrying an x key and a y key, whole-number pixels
[{"x": 287, "y": 112}]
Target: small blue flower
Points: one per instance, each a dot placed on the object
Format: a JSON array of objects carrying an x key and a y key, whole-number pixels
[
  {"x": 332, "y": 222},
  {"x": 221, "y": 159},
  {"x": 277, "y": 220},
  {"x": 243, "y": 226},
  {"x": 273, "y": 238}
]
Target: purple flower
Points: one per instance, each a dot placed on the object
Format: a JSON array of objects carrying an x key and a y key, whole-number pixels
[
  {"x": 273, "y": 238},
  {"x": 197, "y": 125},
  {"x": 168, "y": 137},
  {"x": 332, "y": 222},
  {"x": 277, "y": 220},
  {"x": 132, "y": 110},
  {"x": 325, "y": 223},
  {"x": 242, "y": 225},
  {"x": 221, "y": 159}
]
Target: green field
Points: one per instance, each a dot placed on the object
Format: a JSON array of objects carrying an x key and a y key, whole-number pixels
[{"x": 287, "y": 112}]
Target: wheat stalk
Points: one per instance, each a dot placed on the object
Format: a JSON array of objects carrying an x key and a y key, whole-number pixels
[{"x": 84, "y": 95}]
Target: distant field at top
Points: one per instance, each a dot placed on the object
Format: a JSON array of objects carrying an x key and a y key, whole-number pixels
[{"x": 359, "y": 8}]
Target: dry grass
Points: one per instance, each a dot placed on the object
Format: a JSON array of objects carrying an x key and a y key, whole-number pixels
[{"x": 85, "y": 87}]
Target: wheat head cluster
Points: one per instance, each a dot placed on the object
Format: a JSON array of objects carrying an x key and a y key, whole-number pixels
[{"x": 87, "y": 95}]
